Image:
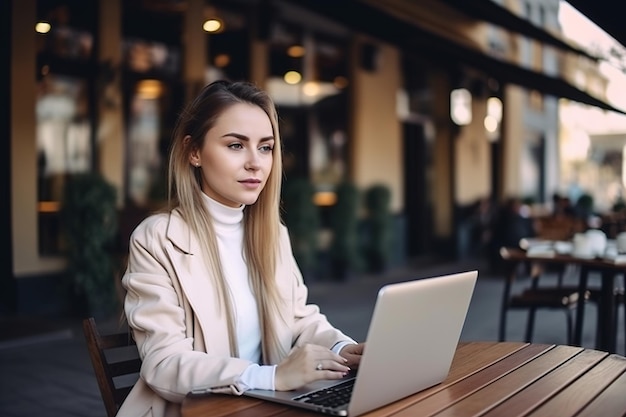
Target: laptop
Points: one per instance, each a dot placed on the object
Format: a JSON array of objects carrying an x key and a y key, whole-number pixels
[{"x": 411, "y": 341}]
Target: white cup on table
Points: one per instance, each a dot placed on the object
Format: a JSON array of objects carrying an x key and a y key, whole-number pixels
[
  {"x": 582, "y": 246},
  {"x": 597, "y": 241}
]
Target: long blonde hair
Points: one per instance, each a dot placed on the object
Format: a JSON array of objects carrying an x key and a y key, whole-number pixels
[{"x": 261, "y": 220}]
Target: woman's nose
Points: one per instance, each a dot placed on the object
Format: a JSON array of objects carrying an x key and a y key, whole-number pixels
[{"x": 252, "y": 162}]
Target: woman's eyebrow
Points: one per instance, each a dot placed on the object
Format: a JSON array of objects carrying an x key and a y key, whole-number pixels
[{"x": 245, "y": 138}]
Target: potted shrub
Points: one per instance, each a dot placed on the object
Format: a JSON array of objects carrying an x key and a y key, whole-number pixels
[
  {"x": 89, "y": 226},
  {"x": 378, "y": 224},
  {"x": 301, "y": 216},
  {"x": 344, "y": 249}
]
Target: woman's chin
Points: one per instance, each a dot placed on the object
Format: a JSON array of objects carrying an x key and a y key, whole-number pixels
[{"x": 249, "y": 200}]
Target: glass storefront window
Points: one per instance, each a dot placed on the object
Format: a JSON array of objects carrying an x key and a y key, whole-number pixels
[
  {"x": 152, "y": 87},
  {"x": 144, "y": 56},
  {"x": 67, "y": 43},
  {"x": 65, "y": 28},
  {"x": 229, "y": 45},
  {"x": 63, "y": 129},
  {"x": 144, "y": 130},
  {"x": 63, "y": 106},
  {"x": 308, "y": 81},
  {"x": 63, "y": 147}
]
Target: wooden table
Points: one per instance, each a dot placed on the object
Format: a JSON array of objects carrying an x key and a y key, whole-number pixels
[
  {"x": 486, "y": 379},
  {"x": 605, "y": 327}
]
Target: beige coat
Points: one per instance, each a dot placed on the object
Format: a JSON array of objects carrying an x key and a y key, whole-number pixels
[{"x": 182, "y": 336}]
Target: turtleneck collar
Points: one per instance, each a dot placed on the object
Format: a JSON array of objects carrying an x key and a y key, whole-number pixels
[{"x": 224, "y": 217}]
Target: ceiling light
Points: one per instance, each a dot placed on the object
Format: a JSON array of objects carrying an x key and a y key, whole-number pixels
[
  {"x": 340, "y": 82},
  {"x": 221, "y": 60},
  {"x": 311, "y": 88},
  {"x": 296, "y": 51},
  {"x": 42, "y": 27},
  {"x": 212, "y": 25},
  {"x": 292, "y": 77},
  {"x": 149, "y": 89}
]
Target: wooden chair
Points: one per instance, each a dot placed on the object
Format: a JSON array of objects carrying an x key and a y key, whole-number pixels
[
  {"x": 535, "y": 297},
  {"x": 116, "y": 363},
  {"x": 558, "y": 228}
]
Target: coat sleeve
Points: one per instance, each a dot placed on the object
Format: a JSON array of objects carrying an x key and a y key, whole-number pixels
[{"x": 155, "y": 309}]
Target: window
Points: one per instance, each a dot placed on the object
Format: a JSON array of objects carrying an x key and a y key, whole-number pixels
[
  {"x": 308, "y": 81},
  {"x": 64, "y": 106},
  {"x": 153, "y": 92},
  {"x": 228, "y": 47}
]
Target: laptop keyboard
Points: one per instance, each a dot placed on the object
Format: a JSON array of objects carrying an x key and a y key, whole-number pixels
[{"x": 331, "y": 397}]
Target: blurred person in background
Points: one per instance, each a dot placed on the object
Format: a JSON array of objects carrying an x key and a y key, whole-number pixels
[{"x": 512, "y": 222}]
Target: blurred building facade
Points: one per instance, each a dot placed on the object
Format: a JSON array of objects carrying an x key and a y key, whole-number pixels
[
  {"x": 442, "y": 106},
  {"x": 592, "y": 141}
]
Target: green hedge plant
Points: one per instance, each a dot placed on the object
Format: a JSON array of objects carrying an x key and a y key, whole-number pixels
[
  {"x": 344, "y": 249},
  {"x": 378, "y": 223},
  {"x": 89, "y": 226},
  {"x": 302, "y": 218}
]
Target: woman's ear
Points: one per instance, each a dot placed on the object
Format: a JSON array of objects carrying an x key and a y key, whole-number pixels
[{"x": 194, "y": 154}]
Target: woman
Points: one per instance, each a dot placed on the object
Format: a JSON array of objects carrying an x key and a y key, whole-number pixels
[{"x": 214, "y": 297}]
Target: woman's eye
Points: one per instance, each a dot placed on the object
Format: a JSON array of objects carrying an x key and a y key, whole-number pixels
[
  {"x": 235, "y": 146},
  {"x": 266, "y": 148}
]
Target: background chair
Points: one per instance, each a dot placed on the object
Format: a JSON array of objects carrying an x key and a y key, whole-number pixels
[
  {"x": 535, "y": 296},
  {"x": 550, "y": 296},
  {"x": 116, "y": 363}
]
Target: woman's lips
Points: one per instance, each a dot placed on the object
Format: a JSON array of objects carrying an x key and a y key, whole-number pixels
[{"x": 251, "y": 183}]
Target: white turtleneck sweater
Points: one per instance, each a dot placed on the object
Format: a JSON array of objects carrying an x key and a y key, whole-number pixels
[{"x": 228, "y": 224}]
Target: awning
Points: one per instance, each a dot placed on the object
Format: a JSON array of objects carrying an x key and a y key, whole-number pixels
[
  {"x": 417, "y": 41},
  {"x": 492, "y": 12},
  {"x": 605, "y": 14}
]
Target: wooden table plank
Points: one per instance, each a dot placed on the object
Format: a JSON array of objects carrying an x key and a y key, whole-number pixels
[
  {"x": 219, "y": 405},
  {"x": 467, "y": 361},
  {"x": 475, "y": 382},
  {"x": 585, "y": 389},
  {"x": 469, "y": 358},
  {"x": 511, "y": 383},
  {"x": 610, "y": 403},
  {"x": 225, "y": 405},
  {"x": 547, "y": 387}
]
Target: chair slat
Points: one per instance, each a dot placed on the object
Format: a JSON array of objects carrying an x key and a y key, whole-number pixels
[
  {"x": 115, "y": 340},
  {"x": 105, "y": 369},
  {"x": 124, "y": 367},
  {"x": 121, "y": 393}
]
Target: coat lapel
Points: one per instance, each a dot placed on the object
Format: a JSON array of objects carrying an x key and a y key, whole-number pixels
[{"x": 197, "y": 284}]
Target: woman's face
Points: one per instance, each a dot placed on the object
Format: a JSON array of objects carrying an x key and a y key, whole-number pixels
[{"x": 236, "y": 158}]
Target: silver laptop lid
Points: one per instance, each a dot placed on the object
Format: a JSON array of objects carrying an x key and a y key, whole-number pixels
[{"x": 412, "y": 338}]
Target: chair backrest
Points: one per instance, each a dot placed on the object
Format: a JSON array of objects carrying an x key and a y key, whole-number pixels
[
  {"x": 116, "y": 363},
  {"x": 559, "y": 228}
]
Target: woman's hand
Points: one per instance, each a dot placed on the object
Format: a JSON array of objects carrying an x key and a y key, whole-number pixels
[
  {"x": 309, "y": 363},
  {"x": 352, "y": 353}
]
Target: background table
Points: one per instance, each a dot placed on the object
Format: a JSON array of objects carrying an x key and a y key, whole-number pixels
[{"x": 486, "y": 379}]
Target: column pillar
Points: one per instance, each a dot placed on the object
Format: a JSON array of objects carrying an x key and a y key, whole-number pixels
[
  {"x": 111, "y": 132},
  {"x": 195, "y": 48}
]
